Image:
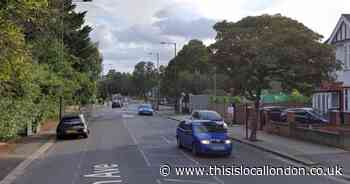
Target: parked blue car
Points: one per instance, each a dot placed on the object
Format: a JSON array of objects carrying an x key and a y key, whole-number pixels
[
  {"x": 145, "y": 109},
  {"x": 204, "y": 137}
]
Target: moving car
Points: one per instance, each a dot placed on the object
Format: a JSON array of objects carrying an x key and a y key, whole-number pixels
[
  {"x": 208, "y": 115},
  {"x": 145, "y": 109},
  {"x": 305, "y": 116},
  {"x": 203, "y": 137},
  {"x": 117, "y": 104},
  {"x": 74, "y": 125}
]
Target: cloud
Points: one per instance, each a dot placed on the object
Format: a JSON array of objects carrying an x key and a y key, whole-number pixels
[
  {"x": 140, "y": 34},
  {"x": 184, "y": 21},
  {"x": 128, "y": 30}
]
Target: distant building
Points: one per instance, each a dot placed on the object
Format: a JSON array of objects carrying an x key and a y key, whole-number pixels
[{"x": 337, "y": 95}]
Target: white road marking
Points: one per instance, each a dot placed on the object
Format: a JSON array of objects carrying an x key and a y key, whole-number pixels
[
  {"x": 20, "y": 169},
  {"x": 197, "y": 163},
  {"x": 137, "y": 144},
  {"x": 166, "y": 140},
  {"x": 76, "y": 174},
  {"x": 127, "y": 116},
  {"x": 105, "y": 171}
]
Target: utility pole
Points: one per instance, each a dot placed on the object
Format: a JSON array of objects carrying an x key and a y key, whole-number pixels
[{"x": 158, "y": 78}]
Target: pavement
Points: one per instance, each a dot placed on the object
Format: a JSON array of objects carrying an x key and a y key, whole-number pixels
[{"x": 124, "y": 147}]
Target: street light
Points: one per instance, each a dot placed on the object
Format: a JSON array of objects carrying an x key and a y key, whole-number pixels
[
  {"x": 176, "y": 86},
  {"x": 158, "y": 69}
]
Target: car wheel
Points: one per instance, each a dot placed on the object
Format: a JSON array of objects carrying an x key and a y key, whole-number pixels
[
  {"x": 85, "y": 136},
  {"x": 179, "y": 145},
  {"x": 59, "y": 137},
  {"x": 194, "y": 150}
]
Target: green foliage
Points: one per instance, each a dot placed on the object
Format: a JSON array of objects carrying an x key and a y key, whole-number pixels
[
  {"x": 144, "y": 77},
  {"x": 257, "y": 51},
  {"x": 190, "y": 71},
  {"x": 226, "y": 99},
  {"x": 38, "y": 65},
  {"x": 297, "y": 97}
]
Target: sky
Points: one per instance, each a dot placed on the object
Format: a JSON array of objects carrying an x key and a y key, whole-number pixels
[{"x": 129, "y": 30}]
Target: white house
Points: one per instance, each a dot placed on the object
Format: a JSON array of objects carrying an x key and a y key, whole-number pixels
[{"x": 337, "y": 96}]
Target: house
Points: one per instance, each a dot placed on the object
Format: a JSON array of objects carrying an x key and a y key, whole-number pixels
[{"x": 337, "y": 95}]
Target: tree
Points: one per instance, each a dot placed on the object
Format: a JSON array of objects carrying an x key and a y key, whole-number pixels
[
  {"x": 257, "y": 51},
  {"x": 36, "y": 66},
  {"x": 144, "y": 77},
  {"x": 191, "y": 62}
]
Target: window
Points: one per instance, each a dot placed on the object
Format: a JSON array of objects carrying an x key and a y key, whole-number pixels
[
  {"x": 195, "y": 115},
  {"x": 182, "y": 124},
  {"x": 213, "y": 116}
]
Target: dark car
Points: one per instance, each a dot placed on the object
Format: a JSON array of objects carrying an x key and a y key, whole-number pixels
[
  {"x": 74, "y": 125},
  {"x": 117, "y": 104},
  {"x": 305, "y": 116},
  {"x": 208, "y": 115},
  {"x": 274, "y": 112},
  {"x": 203, "y": 137}
]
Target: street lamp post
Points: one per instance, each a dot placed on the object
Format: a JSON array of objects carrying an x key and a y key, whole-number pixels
[
  {"x": 176, "y": 85},
  {"x": 158, "y": 74}
]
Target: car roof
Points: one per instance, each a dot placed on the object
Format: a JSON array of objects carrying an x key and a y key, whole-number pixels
[
  {"x": 300, "y": 109},
  {"x": 272, "y": 107},
  {"x": 199, "y": 122},
  {"x": 145, "y": 105}
]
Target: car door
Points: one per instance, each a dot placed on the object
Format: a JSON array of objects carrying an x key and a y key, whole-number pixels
[
  {"x": 180, "y": 131},
  {"x": 301, "y": 117},
  {"x": 188, "y": 135}
]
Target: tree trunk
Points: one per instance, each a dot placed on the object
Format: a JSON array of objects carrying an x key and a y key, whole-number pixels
[{"x": 253, "y": 133}]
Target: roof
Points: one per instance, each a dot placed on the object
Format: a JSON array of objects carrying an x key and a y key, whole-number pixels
[
  {"x": 344, "y": 18},
  {"x": 347, "y": 16}
]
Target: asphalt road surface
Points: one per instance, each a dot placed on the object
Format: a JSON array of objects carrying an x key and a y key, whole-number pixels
[{"x": 126, "y": 148}]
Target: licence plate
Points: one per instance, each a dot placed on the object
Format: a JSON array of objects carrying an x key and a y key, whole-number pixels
[
  {"x": 71, "y": 131},
  {"x": 218, "y": 147}
]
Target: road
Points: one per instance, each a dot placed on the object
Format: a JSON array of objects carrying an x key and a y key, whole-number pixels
[{"x": 126, "y": 148}]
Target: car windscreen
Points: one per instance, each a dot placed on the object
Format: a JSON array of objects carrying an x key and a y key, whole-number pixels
[
  {"x": 212, "y": 116},
  {"x": 71, "y": 121},
  {"x": 317, "y": 114},
  {"x": 145, "y": 106},
  {"x": 212, "y": 128}
]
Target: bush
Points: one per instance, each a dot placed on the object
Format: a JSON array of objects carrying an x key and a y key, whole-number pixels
[
  {"x": 17, "y": 113},
  {"x": 225, "y": 99}
]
